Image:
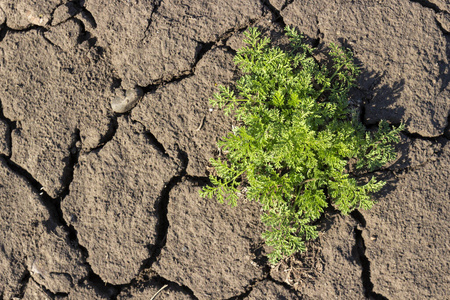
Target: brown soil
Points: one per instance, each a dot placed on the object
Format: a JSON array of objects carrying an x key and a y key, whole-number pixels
[{"x": 96, "y": 204}]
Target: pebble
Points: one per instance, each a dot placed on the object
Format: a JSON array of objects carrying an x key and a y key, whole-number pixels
[
  {"x": 126, "y": 100},
  {"x": 35, "y": 19}
]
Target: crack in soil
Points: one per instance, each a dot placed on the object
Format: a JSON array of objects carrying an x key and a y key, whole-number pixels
[
  {"x": 416, "y": 136},
  {"x": 163, "y": 223},
  {"x": 150, "y": 18},
  {"x": 436, "y": 9},
  {"x": 68, "y": 170},
  {"x": 162, "y": 212},
  {"x": 256, "y": 281},
  {"x": 277, "y": 13},
  {"x": 97, "y": 282},
  {"x": 11, "y": 126},
  {"x": 153, "y": 87},
  {"x": 6, "y": 29},
  {"x": 428, "y": 4},
  {"x": 51, "y": 204},
  {"x": 41, "y": 33},
  {"x": 154, "y": 141},
  {"x": 447, "y": 129},
  {"x": 54, "y": 208},
  {"x": 204, "y": 48},
  {"x": 56, "y": 216},
  {"x": 89, "y": 15},
  {"x": 94, "y": 279},
  {"x": 47, "y": 291},
  {"x": 3, "y": 31},
  {"x": 405, "y": 132},
  {"x": 24, "y": 283},
  {"x": 360, "y": 250},
  {"x": 161, "y": 207},
  {"x": 108, "y": 136},
  {"x": 252, "y": 285},
  {"x": 84, "y": 35},
  {"x": 77, "y": 5},
  {"x": 148, "y": 275}
]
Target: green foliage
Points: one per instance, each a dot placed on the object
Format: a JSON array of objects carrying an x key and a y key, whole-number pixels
[{"x": 295, "y": 139}]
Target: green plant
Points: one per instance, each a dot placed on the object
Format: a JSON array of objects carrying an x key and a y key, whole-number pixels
[{"x": 295, "y": 139}]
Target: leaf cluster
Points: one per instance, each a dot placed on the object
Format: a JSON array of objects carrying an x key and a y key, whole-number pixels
[{"x": 295, "y": 138}]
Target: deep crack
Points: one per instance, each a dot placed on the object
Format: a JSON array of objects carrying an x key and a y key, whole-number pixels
[
  {"x": 100, "y": 286},
  {"x": 360, "y": 250},
  {"x": 53, "y": 206},
  {"x": 277, "y": 13},
  {"x": 162, "y": 230},
  {"x": 56, "y": 216},
  {"x": 405, "y": 132},
  {"x": 365, "y": 265},
  {"x": 161, "y": 205},
  {"x": 358, "y": 217},
  {"x": 68, "y": 170},
  {"x": 74, "y": 8},
  {"x": 447, "y": 129},
  {"x": 428, "y": 4},
  {"x": 3, "y": 31},
  {"x": 6, "y": 29},
  {"x": 151, "y": 88},
  {"x": 23, "y": 282},
  {"x": 162, "y": 226},
  {"x": 433, "y": 139},
  {"x": 87, "y": 15},
  {"x": 149, "y": 276},
  {"x": 11, "y": 125}
]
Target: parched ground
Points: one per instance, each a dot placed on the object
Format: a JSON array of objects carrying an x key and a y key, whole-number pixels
[{"x": 106, "y": 132}]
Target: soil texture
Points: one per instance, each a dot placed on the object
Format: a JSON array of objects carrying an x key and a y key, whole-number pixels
[{"x": 106, "y": 132}]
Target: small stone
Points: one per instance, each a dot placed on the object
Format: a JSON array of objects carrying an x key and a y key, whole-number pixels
[
  {"x": 126, "y": 100},
  {"x": 64, "y": 12},
  {"x": 36, "y": 19}
]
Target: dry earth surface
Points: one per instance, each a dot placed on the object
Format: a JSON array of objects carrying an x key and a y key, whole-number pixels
[{"x": 106, "y": 132}]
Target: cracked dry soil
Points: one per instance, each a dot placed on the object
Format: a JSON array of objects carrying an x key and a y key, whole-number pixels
[{"x": 102, "y": 205}]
